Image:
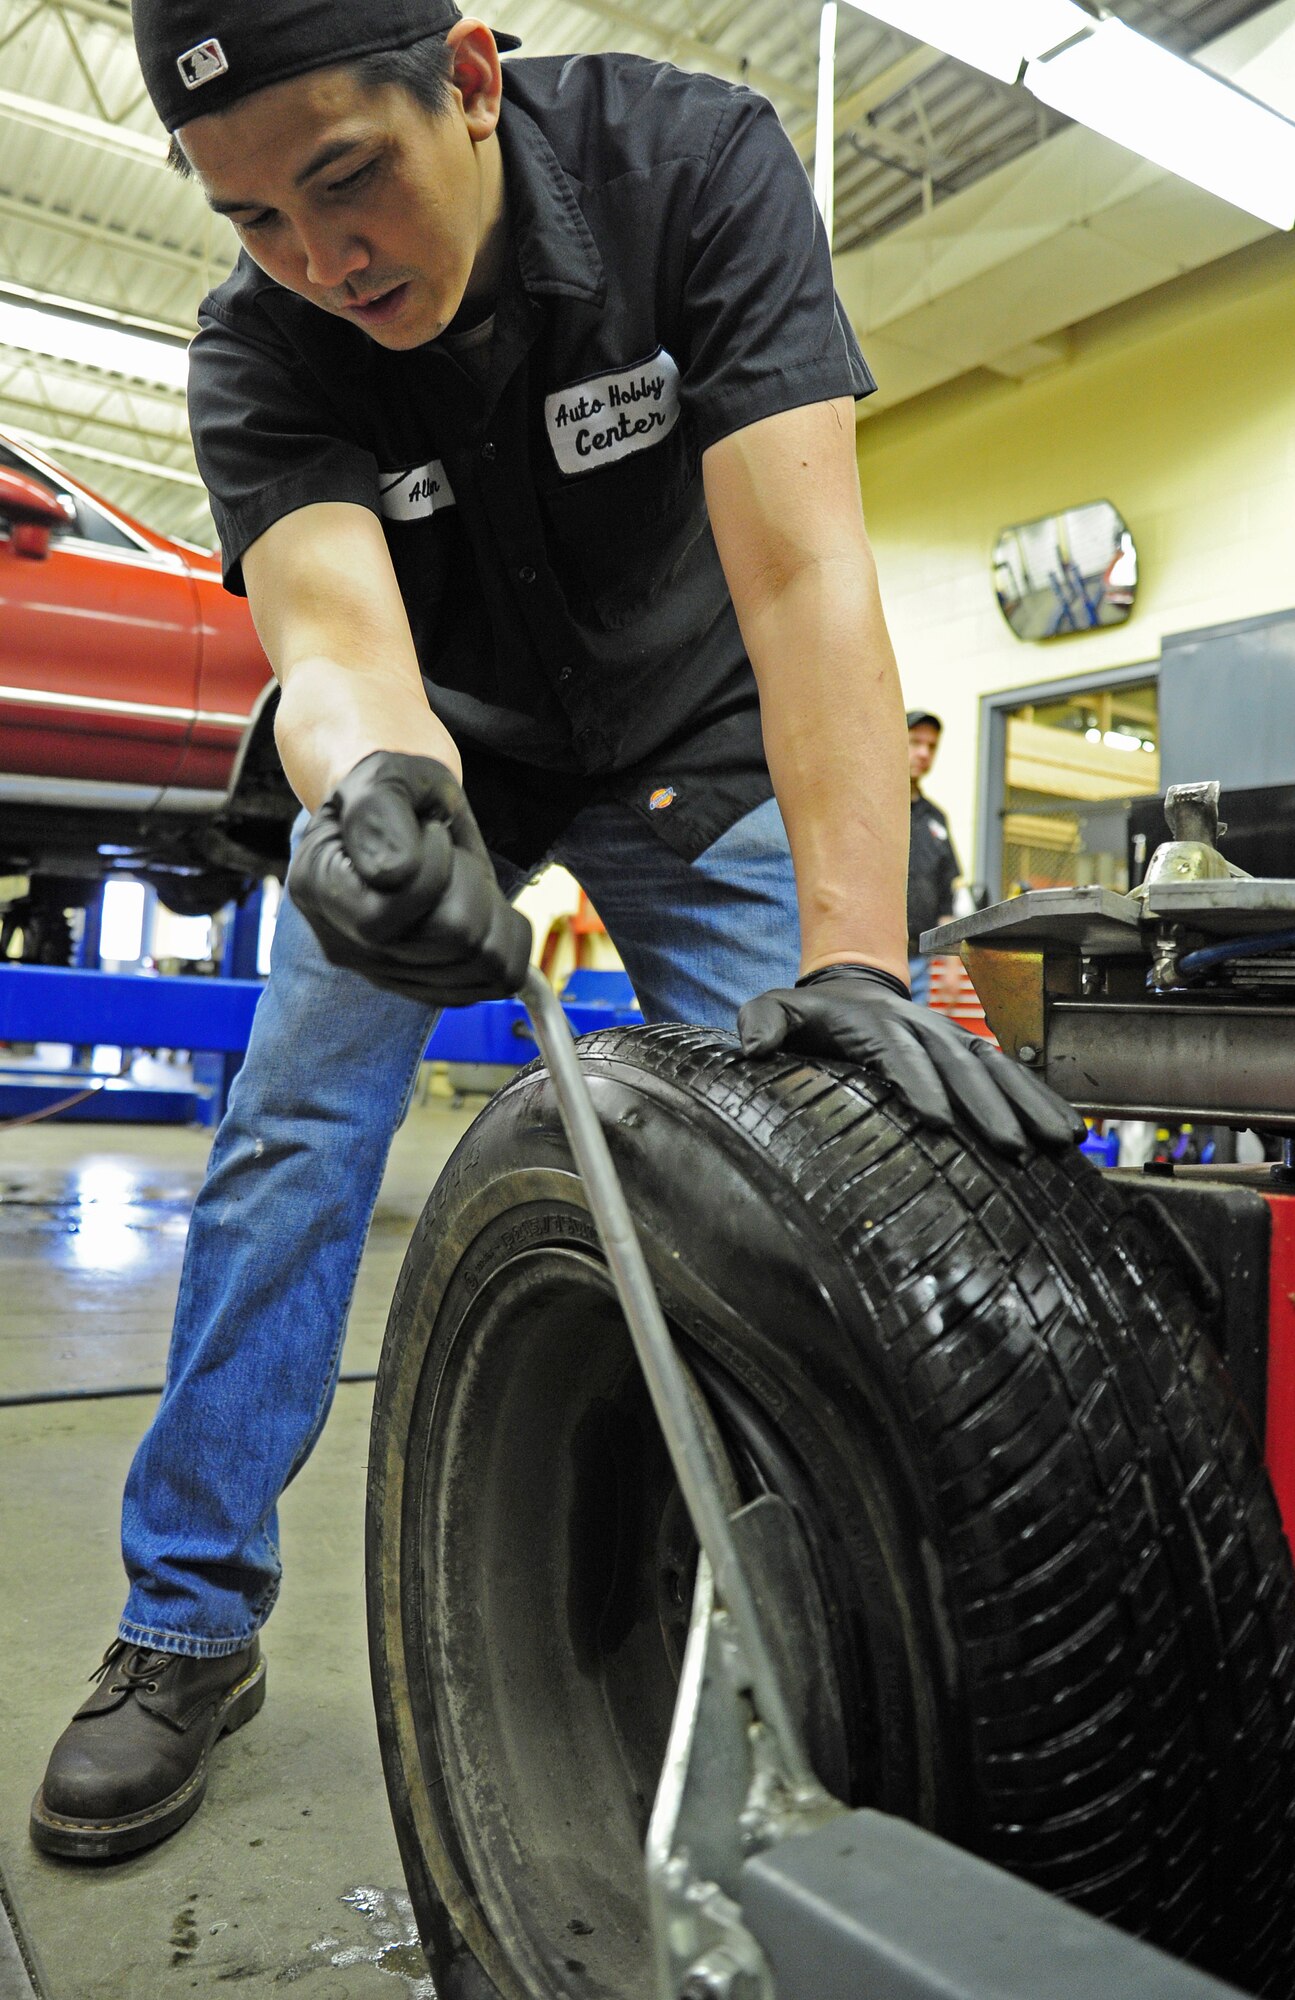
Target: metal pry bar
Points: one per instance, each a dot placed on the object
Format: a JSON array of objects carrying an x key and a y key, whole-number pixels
[{"x": 665, "y": 1377}]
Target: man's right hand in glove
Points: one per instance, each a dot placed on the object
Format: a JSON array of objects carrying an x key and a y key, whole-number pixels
[{"x": 394, "y": 879}]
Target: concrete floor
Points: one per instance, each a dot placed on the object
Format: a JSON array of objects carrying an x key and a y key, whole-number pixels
[{"x": 289, "y": 1872}]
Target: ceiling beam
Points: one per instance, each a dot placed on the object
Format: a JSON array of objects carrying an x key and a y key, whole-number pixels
[
  {"x": 145, "y": 148},
  {"x": 704, "y": 54},
  {"x": 19, "y": 360},
  {"x": 93, "y": 10},
  {"x": 890, "y": 82},
  {"x": 58, "y": 448},
  {"x": 15, "y": 410},
  {"x": 116, "y": 240}
]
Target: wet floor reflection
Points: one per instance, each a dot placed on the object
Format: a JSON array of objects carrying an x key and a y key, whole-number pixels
[
  {"x": 105, "y": 1215},
  {"x": 92, "y": 1235}
]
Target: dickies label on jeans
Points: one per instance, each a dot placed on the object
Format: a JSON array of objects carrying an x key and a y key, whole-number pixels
[
  {"x": 609, "y": 417},
  {"x": 415, "y": 492}
]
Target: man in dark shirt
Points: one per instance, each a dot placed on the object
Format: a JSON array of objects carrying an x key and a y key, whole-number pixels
[
  {"x": 932, "y": 862},
  {"x": 527, "y": 419}
]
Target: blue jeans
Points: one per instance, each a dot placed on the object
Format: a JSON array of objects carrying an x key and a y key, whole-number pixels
[
  {"x": 278, "y": 1228},
  {"x": 919, "y": 980}
]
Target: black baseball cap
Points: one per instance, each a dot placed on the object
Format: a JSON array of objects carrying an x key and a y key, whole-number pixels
[
  {"x": 201, "y": 56},
  {"x": 916, "y": 716}
]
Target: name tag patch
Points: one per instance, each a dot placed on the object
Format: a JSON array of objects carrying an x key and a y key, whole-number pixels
[
  {"x": 415, "y": 492},
  {"x": 605, "y": 419}
]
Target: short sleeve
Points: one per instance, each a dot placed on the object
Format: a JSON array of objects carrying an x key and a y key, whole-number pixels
[
  {"x": 262, "y": 435},
  {"x": 765, "y": 330}
]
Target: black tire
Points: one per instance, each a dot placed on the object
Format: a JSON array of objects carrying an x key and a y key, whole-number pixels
[{"x": 1060, "y": 1598}]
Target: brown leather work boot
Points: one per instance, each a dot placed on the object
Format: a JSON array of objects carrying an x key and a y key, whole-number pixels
[{"x": 131, "y": 1766}]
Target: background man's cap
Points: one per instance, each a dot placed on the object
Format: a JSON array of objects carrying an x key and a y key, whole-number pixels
[
  {"x": 917, "y": 716},
  {"x": 201, "y": 56}
]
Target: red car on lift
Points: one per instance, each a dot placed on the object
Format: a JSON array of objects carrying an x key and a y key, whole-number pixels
[{"x": 136, "y": 714}]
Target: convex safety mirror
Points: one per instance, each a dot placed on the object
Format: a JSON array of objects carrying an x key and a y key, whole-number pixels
[{"x": 1069, "y": 572}]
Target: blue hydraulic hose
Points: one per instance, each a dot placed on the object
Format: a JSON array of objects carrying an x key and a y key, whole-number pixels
[{"x": 1211, "y": 955}]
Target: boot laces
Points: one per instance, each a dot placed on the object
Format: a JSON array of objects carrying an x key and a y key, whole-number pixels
[{"x": 131, "y": 1667}]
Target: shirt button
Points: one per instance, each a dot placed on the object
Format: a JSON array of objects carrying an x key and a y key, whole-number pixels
[
  {"x": 526, "y": 574},
  {"x": 564, "y": 675},
  {"x": 488, "y": 452}
]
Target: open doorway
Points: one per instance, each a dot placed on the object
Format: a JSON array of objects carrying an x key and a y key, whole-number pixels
[{"x": 1061, "y": 766}]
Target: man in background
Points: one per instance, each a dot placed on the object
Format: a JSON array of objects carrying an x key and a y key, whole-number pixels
[{"x": 933, "y": 866}]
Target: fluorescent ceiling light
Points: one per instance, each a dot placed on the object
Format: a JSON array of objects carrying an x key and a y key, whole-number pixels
[
  {"x": 111, "y": 349},
  {"x": 996, "y": 36},
  {"x": 1118, "y": 739},
  {"x": 1104, "y": 75},
  {"x": 1175, "y": 114}
]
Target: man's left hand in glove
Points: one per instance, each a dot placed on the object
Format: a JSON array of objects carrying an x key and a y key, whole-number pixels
[
  {"x": 858, "y": 1014},
  {"x": 395, "y": 880}
]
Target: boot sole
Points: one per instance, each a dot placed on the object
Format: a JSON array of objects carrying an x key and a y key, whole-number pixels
[{"x": 107, "y": 1840}]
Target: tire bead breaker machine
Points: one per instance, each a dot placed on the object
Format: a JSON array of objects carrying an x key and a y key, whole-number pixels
[{"x": 1174, "y": 1004}]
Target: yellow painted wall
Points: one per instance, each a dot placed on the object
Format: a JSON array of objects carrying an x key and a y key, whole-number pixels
[{"x": 1179, "y": 408}]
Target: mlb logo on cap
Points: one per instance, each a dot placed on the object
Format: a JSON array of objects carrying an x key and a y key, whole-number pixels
[{"x": 201, "y": 65}]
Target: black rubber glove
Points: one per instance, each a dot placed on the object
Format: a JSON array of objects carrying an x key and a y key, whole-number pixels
[
  {"x": 394, "y": 879},
  {"x": 858, "y": 1014}
]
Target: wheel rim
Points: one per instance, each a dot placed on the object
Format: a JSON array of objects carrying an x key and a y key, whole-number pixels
[{"x": 548, "y": 1564}]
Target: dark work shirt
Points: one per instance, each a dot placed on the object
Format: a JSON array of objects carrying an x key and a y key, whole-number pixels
[
  {"x": 932, "y": 870},
  {"x": 668, "y": 283}
]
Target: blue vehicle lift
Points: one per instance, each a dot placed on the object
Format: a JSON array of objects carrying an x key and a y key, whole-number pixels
[{"x": 212, "y": 1018}]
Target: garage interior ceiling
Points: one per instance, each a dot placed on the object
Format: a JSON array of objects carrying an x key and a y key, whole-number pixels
[{"x": 972, "y": 225}]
